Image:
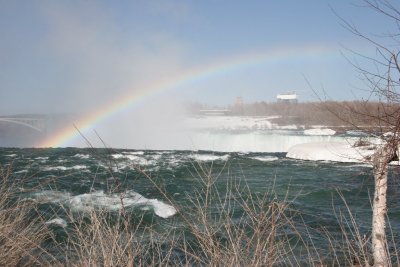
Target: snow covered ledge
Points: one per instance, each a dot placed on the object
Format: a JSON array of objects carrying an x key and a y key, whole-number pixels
[{"x": 330, "y": 151}]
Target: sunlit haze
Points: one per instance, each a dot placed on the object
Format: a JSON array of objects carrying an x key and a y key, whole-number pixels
[{"x": 126, "y": 68}]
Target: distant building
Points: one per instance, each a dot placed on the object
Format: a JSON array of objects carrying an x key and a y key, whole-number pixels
[
  {"x": 238, "y": 107},
  {"x": 239, "y": 101},
  {"x": 288, "y": 97}
]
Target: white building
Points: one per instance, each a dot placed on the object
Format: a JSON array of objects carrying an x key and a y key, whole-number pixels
[{"x": 288, "y": 97}]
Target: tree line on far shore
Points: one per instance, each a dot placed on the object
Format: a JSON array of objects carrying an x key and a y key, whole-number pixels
[{"x": 328, "y": 113}]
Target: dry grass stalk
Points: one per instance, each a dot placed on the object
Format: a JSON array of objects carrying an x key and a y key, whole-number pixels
[
  {"x": 21, "y": 233},
  {"x": 230, "y": 227}
]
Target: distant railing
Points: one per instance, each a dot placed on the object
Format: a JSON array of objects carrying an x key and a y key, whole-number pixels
[
  {"x": 215, "y": 111},
  {"x": 38, "y": 124}
]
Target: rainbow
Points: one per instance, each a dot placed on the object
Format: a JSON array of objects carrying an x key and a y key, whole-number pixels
[{"x": 274, "y": 56}]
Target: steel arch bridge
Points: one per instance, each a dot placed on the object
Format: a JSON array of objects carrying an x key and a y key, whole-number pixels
[{"x": 37, "y": 124}]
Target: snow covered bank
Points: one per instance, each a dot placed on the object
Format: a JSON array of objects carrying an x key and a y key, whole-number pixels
[
  {"x": 318, "y": 131},
  {"x": 330, "y": 151}
]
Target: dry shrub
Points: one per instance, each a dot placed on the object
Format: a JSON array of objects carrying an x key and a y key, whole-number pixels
[
  {"x": 237, "y": 228},
  {"x": 102, "y": 242},
  {"x": 96, "y": 241},
  {"x": 229, "y": 227},
  {"x": 22, "y": 234},
  {"x": 103, "y": 238},
  {"x": 351, "y": 246},
  {"x": 234, "y": 228}
]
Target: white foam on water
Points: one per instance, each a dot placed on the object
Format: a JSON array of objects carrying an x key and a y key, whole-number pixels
[
  {"x": 21, "y": 171},
  {"x": 51, "y": 196},
  {"x": 133, "y": 152},
  {"x": 121, "y": 166},
  {"x": 139, "y": 160},
  {"x": 81, "y": 156},
  {"x": 209, "y": 157},
  {"x": 11, "y": 155},
  {"x": 57, "y": 221},
  {"x": 161, "y": 209},
  {"x": 56, "y": 168},
  {"x": 265, "y": 158},
  {"x": 134, "y": 157},
  {"x": 174, "y": 161},
  {"x": 42, "y": 158},
  {"x": 63, "y": 168},
  {"x": 98, "y": 199},
  {"x": 155, "y": 156},
  {"x": 118, "y": 156},
  {"x": 79, "y": 167}
]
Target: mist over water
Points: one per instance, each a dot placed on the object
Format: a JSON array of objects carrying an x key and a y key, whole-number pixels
[
  {"x": 155, "y": 124},
  {"x": 67, "y": 60},
  {"x": 85, "y": 60},
  {"x": 77, "y": 57},
  {"x": 163, "y": 123},
  {"x": 166, "y": 127}
]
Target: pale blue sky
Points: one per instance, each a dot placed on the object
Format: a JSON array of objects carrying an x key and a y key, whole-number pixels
[{"x": 61, "y": 56}]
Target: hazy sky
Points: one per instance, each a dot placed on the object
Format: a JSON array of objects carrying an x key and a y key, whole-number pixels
[{"x": 64, "y": 56}]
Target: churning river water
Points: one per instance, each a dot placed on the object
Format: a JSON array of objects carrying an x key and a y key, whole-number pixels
[{"x": 81, "y": 179}]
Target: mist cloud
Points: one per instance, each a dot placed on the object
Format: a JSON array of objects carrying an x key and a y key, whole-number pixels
[
  {"x": 85, "y": 57},
  {"x": 106, "y": 62},
  {"x": 76, "y": 57}
]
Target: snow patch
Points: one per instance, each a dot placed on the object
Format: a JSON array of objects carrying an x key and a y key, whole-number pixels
[
  {"x": 229, "y": 123},
  {"x": 329, "y": 151},
  {"x": 288, "y": 127},
  {"x": 319, "y": 131}
]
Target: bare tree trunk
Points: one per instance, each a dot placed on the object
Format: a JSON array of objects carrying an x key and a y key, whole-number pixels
[{"x": 381, "y": 161}]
